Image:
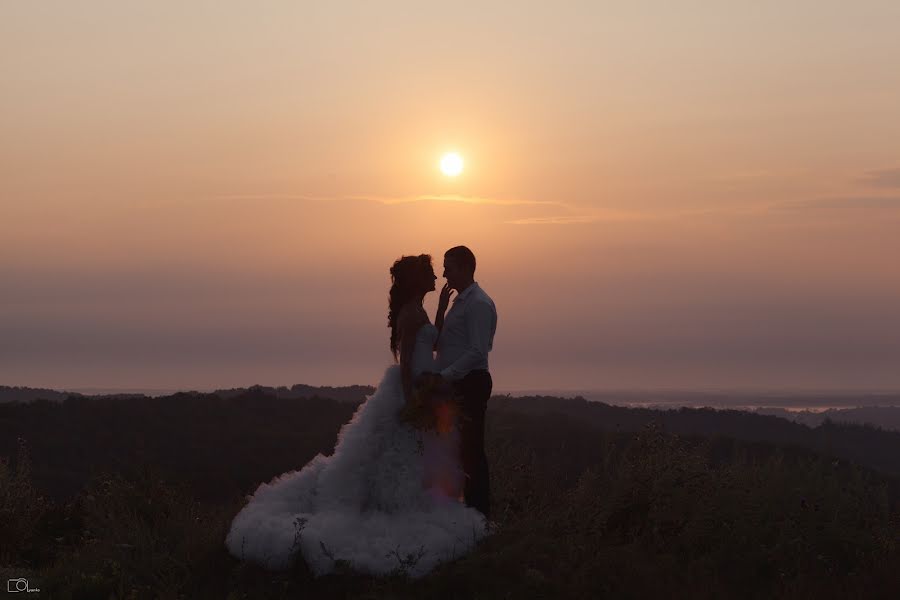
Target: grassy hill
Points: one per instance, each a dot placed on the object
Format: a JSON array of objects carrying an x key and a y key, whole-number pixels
[{"x": 102, "y": 498}]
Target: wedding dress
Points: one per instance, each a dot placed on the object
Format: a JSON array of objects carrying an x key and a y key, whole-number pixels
[{"x": 387, "y": 500}]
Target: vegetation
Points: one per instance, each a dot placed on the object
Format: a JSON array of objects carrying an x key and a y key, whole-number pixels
[{"x": 586, "y": 508}]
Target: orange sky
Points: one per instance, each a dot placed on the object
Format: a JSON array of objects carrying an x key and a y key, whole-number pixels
[{"x": 211, "y": 195}]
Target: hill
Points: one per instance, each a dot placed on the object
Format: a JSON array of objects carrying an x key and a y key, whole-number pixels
[
  {"x": 27, "y": 394},
  {"x": 101, "y": 498},
  {"x": 865, "y": 444},
  {"x": 885, "y": 417}
]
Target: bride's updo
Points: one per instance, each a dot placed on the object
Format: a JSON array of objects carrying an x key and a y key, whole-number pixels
[{"x": 408, "y": 277}]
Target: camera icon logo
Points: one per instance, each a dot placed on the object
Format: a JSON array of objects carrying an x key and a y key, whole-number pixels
[{"x": 20, "y": 584}]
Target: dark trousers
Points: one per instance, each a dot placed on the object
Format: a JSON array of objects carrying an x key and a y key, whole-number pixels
[{"x": 472, "y": 392}]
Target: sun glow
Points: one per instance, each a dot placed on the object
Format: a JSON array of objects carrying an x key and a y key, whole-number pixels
[{"x": 451, "y": 164}]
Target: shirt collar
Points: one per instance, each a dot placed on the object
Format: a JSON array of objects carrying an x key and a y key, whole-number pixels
[{"x": 462, "y": 295}]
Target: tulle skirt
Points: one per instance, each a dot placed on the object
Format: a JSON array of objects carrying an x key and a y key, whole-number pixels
[{"x": 387, "y": 500}]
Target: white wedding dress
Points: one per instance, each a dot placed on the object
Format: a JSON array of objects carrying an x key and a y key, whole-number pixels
[{"x": 388, "y": 494}]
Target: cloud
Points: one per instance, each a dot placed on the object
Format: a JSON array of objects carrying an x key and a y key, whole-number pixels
[
  {"x": 391, "y": 200},
  {"x": 741, "y": 176},
  {"x": 844, "y": 203},
  {"x": 269, "y": 196},
  {"x": 480, "y": 200},
  {"x": 618, "y": 216},
  {"x": 555, "y": 220},
  {"x": 582, "y": 219},
  {"x": 885, "y": 178},
  {"x": 557, "y": 209}
]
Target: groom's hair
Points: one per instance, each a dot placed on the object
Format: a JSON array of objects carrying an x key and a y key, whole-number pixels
[{"x": 462, "y": 255}]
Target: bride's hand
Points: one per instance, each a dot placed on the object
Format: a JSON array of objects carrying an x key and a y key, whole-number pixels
[{"x": 444, "y": 299}]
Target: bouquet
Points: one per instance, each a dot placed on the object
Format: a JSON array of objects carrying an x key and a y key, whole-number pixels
[{"x": 432, "y": 406}]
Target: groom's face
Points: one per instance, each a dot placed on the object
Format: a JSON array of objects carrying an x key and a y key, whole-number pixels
[{"x": 452, "y": 272}]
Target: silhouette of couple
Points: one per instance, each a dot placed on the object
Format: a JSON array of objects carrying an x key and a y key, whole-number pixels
[{"x": 389, "y": 498}]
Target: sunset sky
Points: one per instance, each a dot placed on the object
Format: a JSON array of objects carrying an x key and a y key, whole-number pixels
[{"x": 660, "y": 194}]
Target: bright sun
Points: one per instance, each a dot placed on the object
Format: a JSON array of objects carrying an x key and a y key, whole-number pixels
[{"x": 451, "y": 164}]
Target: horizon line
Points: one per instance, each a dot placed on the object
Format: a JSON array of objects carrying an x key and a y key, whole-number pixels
[{"x": 149, "y": 391}]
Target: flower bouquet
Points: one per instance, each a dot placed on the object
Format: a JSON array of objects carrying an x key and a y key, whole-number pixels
[{"x": 432, "y": 406}]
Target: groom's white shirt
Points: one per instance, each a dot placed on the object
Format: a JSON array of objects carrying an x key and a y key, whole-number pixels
[{"x": 467, "y": 335}]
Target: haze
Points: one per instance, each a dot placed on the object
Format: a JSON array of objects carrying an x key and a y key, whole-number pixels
[{"x": 684, "y": 195}]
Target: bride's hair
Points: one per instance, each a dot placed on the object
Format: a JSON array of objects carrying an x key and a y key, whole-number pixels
[{"x": 407, "y": 275}]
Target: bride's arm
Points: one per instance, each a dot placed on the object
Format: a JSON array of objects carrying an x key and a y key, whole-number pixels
[
  {"x": 443, "y": 301},
  {"x": 407, "y": 332}
]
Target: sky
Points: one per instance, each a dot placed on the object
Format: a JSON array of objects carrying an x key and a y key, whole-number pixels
[{"x": 686, "y": 195}]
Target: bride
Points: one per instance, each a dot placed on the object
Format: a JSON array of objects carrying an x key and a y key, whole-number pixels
[{"x": 388, "y": 499}]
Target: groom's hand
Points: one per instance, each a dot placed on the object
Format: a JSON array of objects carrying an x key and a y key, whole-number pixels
[
  {"x": 427, "y": 379},
  {"x": 442, "y": 385}
]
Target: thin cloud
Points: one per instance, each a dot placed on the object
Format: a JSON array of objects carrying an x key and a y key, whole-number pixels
[
  {"x": 267, "y": 196},
  {"x": 618, "y": 216},
  {"x": 608, "y": 216},
  {"x": 555, "y": 220},
  {"x": 740, "y": 176},
  {"x": 846, "y": 203},
  {"x": 886, "y": 178},
  {"x": 478, "y": 200},
  {"x": 389, "y": 200},
  {"x": 752, "y": 176}
]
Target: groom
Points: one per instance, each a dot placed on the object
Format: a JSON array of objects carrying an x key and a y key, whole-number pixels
[{"x": 466, "y": 337}]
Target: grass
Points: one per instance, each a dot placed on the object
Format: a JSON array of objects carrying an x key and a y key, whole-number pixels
[{"x": 583, "y": 514}]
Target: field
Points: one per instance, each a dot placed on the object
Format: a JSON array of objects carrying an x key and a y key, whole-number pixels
[{"x": 107, "y": 498}]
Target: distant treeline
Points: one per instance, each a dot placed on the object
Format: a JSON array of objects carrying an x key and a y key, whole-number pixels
[
  {"x": 349, "y": 393},
  {"x": 227, "y": 445},
  {"x": 27, "y": 394},
  {"x": 864, "y": 444},
  {"x": 886, "y": 417}
]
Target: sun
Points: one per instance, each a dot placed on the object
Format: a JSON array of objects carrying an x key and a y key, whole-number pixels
[{"x": 451, "y": 164}]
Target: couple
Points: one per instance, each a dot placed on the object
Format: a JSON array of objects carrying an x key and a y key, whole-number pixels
[{"x": 389, "y": 498}]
